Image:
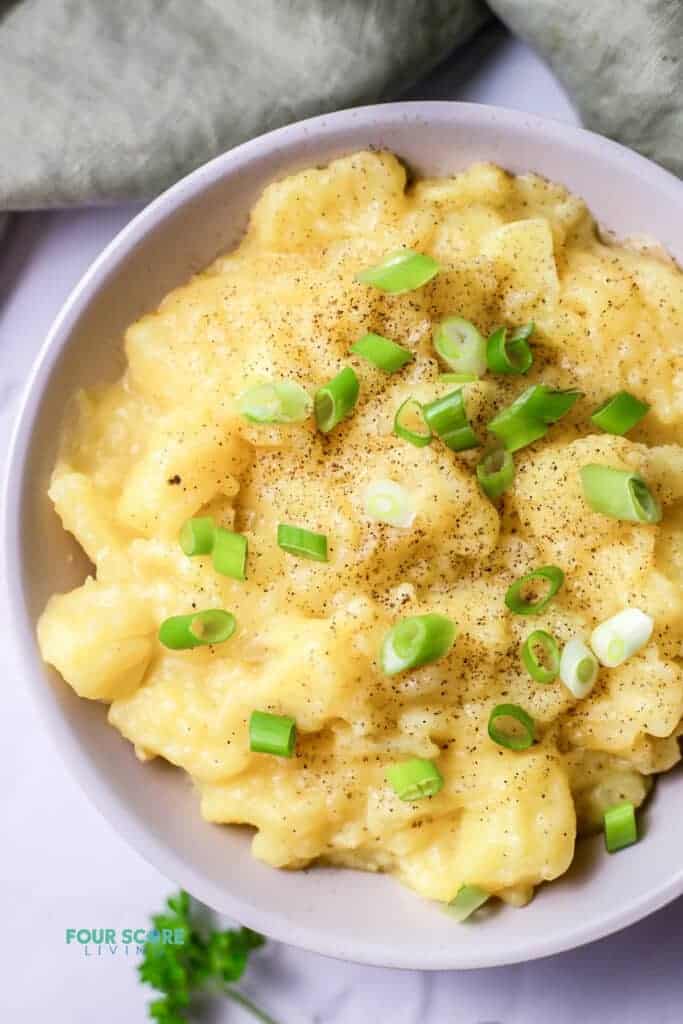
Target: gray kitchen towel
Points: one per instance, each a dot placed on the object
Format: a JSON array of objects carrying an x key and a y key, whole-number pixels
[
  {"x": 621, "y": 61},
  {"x": 109, "y": 99}
]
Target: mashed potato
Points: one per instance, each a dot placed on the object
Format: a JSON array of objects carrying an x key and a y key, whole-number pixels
[{"x": 167, "y": 442}]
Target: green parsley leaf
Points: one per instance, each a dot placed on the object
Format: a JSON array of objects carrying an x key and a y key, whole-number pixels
[
  {"x": 180, "y": 970},
  {"x": 228, "y": 952}
]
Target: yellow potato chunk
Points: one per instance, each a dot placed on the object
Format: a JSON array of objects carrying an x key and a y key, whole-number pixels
[
  {"x": 525, "y": 260},
  {"x": 99, "y": 638},
  {"x": 298, "y": 806},
  {"x": 516, "y": 827},
  {"x": 357, "y": 195},
  {"x": 598, "y": 782},
  {"x": 644, "y": 695},
  {"x": 186, "y": 465},
  {"x": 195, "y": 706},
  {"x": 86, "y": 514},
  {"x": 452, "y": 518},
  {"x": 549, "y": 499}
]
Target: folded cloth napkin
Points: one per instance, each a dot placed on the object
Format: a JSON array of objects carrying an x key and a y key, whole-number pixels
[{"x": 109, "y": 99}]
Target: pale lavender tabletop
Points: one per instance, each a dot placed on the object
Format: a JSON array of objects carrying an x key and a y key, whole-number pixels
[{"x": 61, "y": 866}]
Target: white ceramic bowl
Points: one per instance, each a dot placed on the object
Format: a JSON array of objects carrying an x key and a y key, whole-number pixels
[{"x": 356, "y": 916}]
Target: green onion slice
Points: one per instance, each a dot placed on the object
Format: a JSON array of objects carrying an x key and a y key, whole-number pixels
[
  {"x": 620, "y": 827},
  {"x": 335, "y": 400},
  {"x": 389, "y": 502},
  {"x": 578, "y": 668},
  {"x": 402, "y": 271},
  {"x": 410, "y": 423},
  {"x": 619, "y": 493},
  {"x": 527, "y": 419},
  {"x": 544, "y": 668},
  {"x": 196, "y": 535},
  {"x": 183, "y": 632},
  {"x": 509, "y": 355},
  {"x": 447, "y": 418},
  {"x": 547, "y": 404},
  {"x": 303, "y": 543},
  {"x": 457, "y": 378},
  {"x": 551, "y": 575},
  {"x": 280, "y": 402},
  {"x": 415, "y": 641},
  {"x": 229, "y": 553},
  {"x": 511, "y": 726},
  {"x": 516, "y": 429},
  {"x": 523, "y": 332},
  {"x": 413, "y": 780},
  {"x": 495, "y": 472},
  {"x": 461, "y": 347},
  {"x": 619, "y": 413},
  {"x": 272, "y": 734},
  {"x": 467, "y": 899},
  {"x": 382, "y": 352},
  {"x": 620, "y": 637}
]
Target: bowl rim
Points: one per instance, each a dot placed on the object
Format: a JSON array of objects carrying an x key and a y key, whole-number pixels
[{"x": 274, "y": 924}]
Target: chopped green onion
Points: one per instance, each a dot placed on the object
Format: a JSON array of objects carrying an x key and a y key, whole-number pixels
[
  {"x": 388, "y": 502},
  {"x": 410, "y": 424},
  {"x": 504, "y": 727},
  {"x": 517, "y": 604},
  {"x": 547, "y": 404},
  {"x": 619, "y": 493},
  {"x": 524, "y": 332},
  {"x": 511, "y": 355},
  {"x": 527, "y": 419},
  {"x": 619, "y": 413},
  {"x": 516, "y": 429},
  {"x": 402, "y": 271},
  {"x": 461, "y": 346},
  {"x": 415, "y": 641},
  {"x": 281, "y": 402},
  {"x": 272, "y": 734},
  {"x": 467, "y": 899},
  {"x": 495, "y": 472},
  {"x": 229, "y": 553},
  {"x": 303, "y": 543},
  {"x": 335, "y": 400},
  {"x": 620, "y": 827},
  {"x": 183, "y": 632},
  {"x": 382, "y": 352},
  {"x": 412, "y": 780},
  {"x": 620, "y": 637},
  {"x": 447, "y": 418},
  {"x": 542, "y": 669},
  {"x": 457, "y": 378},
  {"x": 578, "y": 668},
  {"x": 196, "y": 535}
]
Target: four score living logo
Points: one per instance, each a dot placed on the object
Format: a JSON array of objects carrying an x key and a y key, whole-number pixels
[{"x": 123, "y": 941}]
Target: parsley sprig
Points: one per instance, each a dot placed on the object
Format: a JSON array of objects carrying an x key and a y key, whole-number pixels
[{"x": 204, "y": 962}]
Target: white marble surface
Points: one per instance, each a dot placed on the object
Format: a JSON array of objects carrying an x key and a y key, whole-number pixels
[{"x": 62, "y": 866}]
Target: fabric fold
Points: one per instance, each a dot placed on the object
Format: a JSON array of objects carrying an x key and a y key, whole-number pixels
[{"x": 104, "y": 101}]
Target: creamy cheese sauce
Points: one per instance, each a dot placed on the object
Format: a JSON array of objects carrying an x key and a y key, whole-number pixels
[{"x": 167, "y": 442}]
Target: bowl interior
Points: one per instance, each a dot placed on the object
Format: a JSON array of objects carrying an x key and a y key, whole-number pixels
[{"x": 153, "y": 805}]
